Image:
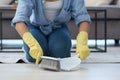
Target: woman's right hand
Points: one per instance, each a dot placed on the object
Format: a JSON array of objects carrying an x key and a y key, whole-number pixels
[{"x": 35, "y": 49}]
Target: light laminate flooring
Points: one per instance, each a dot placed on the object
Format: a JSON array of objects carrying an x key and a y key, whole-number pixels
[{"x": 87, "y": 71}]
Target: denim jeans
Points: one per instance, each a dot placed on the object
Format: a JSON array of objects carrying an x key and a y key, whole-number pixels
[{"x": 57, "y": 44}]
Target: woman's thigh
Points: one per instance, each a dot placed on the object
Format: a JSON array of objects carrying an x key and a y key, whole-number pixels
[{"x": 59, "y": 42}]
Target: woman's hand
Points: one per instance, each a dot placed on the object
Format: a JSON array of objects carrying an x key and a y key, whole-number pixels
[
  {"x": 82, "y": 48},
  {"x": 35, "y": 49}
]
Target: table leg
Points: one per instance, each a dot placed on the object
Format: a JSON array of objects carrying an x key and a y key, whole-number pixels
[
  {"x": 1, "y": 31},
  {"x": 96, "y": 24},
  {"x": 96, "y": 31},
  {"x": 105, "y": 21}
]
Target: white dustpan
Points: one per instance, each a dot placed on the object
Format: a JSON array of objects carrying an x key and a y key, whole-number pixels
[
  {"x": 59, "y": 64},
  {"x": 70, "y": 63}
]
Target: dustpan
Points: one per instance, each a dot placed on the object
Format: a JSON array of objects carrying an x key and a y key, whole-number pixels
[{"x": 60, "y": 64}]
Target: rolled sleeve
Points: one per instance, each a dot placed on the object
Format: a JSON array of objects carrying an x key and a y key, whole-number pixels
[
  {"x": 79, "y": 12},
  {"x": 23, "y": 12}
]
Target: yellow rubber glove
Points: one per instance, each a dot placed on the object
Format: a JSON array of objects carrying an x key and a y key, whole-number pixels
[
  {"x": 82, "y": 48},
  {"x": 35, "y": 49}
]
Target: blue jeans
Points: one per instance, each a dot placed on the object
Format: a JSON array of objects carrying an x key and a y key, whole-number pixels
[{"x": 57, "y": 44}]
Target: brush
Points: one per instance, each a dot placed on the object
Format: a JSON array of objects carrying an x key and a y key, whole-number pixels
[{"x": 50, "y": 63}]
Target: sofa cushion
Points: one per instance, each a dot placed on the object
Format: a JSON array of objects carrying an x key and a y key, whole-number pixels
[
  {"x": 118, "y": 2},
  {"x": 113, "y": 11},
  {"x": 97, "y": 2},
  {"x": 114, "y": 2},
  {"x": 5, "y": 2},
  {"x": 112, "y": 7},
  {"x": 7, "y": 15}
]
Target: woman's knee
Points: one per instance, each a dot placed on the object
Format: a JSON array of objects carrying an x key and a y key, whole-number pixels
[
  {"x": 60, "y": 49},
  {"x": 28, "y": 57},
  {"x": 59, "y": 43},
  {"x": 59, "y": 52}
]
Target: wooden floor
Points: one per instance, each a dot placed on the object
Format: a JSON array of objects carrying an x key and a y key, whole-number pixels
[{"x": 101, "y": 71}]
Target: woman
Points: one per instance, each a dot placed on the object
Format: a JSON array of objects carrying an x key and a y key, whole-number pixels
[{"x": 42, "y": 26}]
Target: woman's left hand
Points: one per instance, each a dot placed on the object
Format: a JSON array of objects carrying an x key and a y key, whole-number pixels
[{"x": 82, "y": 48}]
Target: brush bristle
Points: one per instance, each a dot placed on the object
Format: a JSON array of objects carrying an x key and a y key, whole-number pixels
[{"x": 50, "y": 63}]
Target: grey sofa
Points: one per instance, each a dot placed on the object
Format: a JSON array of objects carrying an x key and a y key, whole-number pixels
[
  {"x": 113, "y": 25},
  {"x": 8, "y": 32}
]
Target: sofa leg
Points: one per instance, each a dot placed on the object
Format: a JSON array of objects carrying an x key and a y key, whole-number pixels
[{"x": 116, "y": 42}]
